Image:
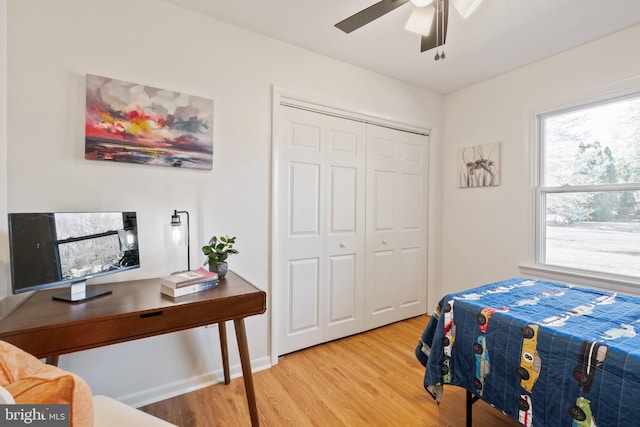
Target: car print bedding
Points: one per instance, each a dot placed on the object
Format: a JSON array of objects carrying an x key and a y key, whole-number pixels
[{"x": 544, "y": 353}]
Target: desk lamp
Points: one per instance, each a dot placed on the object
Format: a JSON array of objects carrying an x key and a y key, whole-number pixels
[{"x": 176, "y": 234}]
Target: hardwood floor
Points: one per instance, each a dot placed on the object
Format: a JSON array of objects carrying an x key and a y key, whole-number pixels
[{"x": 370, "y": 379}]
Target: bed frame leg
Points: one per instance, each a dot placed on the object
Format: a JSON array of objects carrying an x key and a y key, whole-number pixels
[{"x": 471, "y": 399}]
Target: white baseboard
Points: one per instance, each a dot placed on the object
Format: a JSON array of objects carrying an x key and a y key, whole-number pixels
[{"x": 187, "y": 385}]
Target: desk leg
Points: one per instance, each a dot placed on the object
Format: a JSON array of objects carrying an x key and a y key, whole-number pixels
[
  {"x": 53, "y": 360},
  {"x": 225, "y": 353},
  {"x": 245, "y": 361}
]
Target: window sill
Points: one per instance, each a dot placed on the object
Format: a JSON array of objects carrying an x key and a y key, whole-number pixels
[{"x": 610, "y": 282}]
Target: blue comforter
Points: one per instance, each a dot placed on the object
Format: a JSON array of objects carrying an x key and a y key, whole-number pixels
[{"x": 545, "y": 353}]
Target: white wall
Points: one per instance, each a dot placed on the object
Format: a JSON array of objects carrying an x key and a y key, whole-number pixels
[
  {"x": 487, "y": 232},
  {"x": 53, "y": 44}
]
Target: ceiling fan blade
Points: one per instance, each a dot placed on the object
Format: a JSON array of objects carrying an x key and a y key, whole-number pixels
[
  {"x": 431, "y": 41},
  {"x": 369, "y": 14}
]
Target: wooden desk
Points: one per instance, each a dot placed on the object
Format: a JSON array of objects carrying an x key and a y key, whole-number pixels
[{"x": 48, "y": 328}]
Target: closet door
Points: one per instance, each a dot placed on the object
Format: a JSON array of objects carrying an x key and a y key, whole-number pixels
[
  {"x": 396, "y": 240},
  {"x": 319, "y": 259}
]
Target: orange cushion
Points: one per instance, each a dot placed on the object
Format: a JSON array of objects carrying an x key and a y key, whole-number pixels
[
  {"x": 16, "y": 363},
  {"x": 32, "y": 382}
]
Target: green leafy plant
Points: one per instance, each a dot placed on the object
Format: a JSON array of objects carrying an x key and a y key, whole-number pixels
[{"x": 218, "y": 250}]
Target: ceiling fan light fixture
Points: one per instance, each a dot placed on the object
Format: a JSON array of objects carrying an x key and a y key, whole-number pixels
[
  {"x": 421, "y": 3},
  {"x": 465, "y": 7},
  {"x": 420, "y": 20}
]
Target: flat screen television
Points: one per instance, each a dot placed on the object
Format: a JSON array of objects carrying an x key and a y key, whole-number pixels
[{"x": 52, "y": 249}]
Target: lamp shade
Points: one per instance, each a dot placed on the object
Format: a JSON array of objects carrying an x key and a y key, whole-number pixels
[
  {"x": 420, "y": 20},
  {"x": 175, "y": 235},
  {"x": 465, "y": 7},
  {"x": 421, "y": 3}
]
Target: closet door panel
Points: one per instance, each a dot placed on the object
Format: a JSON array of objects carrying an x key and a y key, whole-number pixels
[
  {"x": 304, "y": 191},
  {"x": 300, "y": 261},
  {"x": 343, "y": 203},
  {"x": 319, "y": 262},
  {"x": 342, "y": 292},
  {"x": 383, "y": 190},
  {"x": 410, "y": 189},
  {"x": 303, "y": 296},
  {"x": 344, "y": 163},
  {"x": 410, "y": 272},
  {"x": 396, "y": 224},
  {"x": 382, "y": 224},
  {"x": 380, "y": 285},
  {"x": 412, "y": 227}
]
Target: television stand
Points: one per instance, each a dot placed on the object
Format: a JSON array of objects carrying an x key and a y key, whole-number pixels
[{"x": 79, "y": 291}]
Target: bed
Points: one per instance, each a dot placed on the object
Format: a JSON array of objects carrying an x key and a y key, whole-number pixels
[{"x": 544, "y": 353}]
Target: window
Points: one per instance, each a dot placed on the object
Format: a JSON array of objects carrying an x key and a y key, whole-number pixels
[{"x": 588, "y": 192}]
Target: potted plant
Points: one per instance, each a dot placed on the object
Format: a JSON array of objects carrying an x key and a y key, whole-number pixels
[{"x": 217, "y": 252}]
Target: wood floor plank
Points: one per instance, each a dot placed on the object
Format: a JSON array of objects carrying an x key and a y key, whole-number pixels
[{"x": 370, "y": 379}]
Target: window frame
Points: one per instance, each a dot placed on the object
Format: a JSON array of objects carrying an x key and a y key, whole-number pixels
[{"x": 540, "y": 267}]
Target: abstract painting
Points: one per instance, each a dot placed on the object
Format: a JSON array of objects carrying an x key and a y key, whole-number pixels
[
  {"x": 129, "y": 122},
  {"x": 479, "y": 166}
]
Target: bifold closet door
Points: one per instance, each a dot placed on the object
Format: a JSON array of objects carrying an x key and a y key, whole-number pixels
[
  {"x": 396, "y": 239},
  {"x": 320, "y": 205}
]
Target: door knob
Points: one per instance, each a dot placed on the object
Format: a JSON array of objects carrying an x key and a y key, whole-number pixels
[
  {"x": 342, "y": 245},
  {"x": 384, "y": 241}
]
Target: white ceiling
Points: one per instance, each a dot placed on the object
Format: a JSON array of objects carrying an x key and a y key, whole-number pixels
[{"x": 500, "y": 36}]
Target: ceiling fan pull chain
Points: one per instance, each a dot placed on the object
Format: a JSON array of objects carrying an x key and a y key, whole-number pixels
[
  {"x": 437, "y": 31},
  {"x": 442, "y": 29}
]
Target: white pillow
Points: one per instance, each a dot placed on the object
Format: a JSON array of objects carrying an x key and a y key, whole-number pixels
[{"x": 5, "y": 397}]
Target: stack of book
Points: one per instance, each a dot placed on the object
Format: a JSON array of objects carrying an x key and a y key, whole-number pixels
[{"x": 188, "y": 282}]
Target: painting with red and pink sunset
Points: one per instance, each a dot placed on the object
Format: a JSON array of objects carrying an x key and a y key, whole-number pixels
[{"x": 132, "y": 123}]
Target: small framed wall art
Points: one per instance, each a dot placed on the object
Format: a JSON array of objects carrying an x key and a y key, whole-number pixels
[
  {"x": 479, "y": 166},
  {"x": 133, "y": 123}
]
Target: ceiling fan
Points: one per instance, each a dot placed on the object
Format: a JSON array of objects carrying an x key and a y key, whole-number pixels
[{"x": 429, "y": 18}]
